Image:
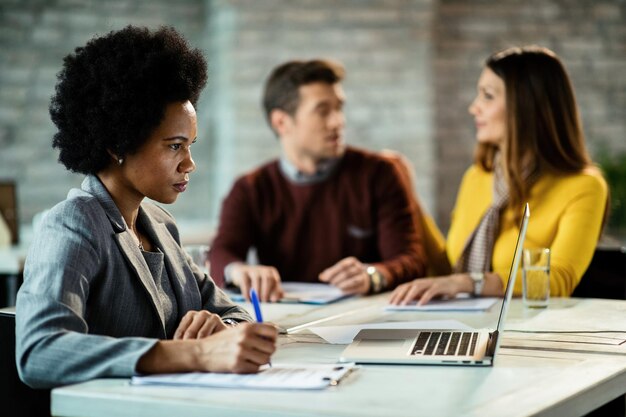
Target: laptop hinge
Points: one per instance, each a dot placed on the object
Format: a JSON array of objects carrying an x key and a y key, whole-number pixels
[{"x": 492, "y": 343}]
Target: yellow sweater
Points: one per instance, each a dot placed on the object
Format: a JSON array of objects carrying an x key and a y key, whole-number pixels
[{"x": 566, "y": 214}]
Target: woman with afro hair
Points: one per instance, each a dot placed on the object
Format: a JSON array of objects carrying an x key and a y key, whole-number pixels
[{"x": 108, "y": 290}]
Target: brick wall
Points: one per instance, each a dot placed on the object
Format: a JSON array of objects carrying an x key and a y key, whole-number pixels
[
  {"x": 35, "y": 35},
  {"x": 588, "y": 35},
  {"x": 411, "y": 67},
  {"x": 384, "y": 45}
]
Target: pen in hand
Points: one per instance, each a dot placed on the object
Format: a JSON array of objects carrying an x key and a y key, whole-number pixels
[{"x": 254, "y": 298}]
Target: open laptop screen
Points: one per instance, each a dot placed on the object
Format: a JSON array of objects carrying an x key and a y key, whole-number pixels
[{"x": 508, "y": 293}]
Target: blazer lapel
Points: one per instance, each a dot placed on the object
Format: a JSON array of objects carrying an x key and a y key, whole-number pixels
[
  {"x": 126, "y": 243},
  {"x": 134, "y": 257},
  {"x": 181, "y": 275}
]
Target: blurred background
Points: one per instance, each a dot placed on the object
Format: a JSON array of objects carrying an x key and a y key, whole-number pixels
[{"x": 412, "y": 67}]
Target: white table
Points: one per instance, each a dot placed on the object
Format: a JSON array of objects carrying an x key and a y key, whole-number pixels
[{"x": 534, "y": 380}]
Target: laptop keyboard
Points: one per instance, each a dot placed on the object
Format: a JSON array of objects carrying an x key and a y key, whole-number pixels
[{"x": 446, "y": 343}]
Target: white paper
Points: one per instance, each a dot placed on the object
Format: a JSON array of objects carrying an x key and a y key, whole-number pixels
[
  {"x": 283, "y": 376},
  {"x": 311, "y": 292},
  {"x": 564, "y": 343},
  {"x": 456, "y": 304},
  {"x": 597, "y": 339},
  {"x": 343, "y": 335},
  {"x": 305, "y": 292}
]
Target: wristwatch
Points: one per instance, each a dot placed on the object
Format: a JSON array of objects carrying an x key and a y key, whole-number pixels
[
  {"x": 230, "y": 322},
  {"x": 479, "y": 282},
  {"x": 377, "y": 282}
]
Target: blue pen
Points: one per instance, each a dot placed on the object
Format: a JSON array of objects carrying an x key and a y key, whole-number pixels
[
  {"x": 257, "y": 306},
  {"x": 257, "y": 309}
]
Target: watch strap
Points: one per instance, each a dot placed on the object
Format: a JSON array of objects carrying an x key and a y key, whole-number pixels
[
  {"x": 230, "y": 322},
  {"x": 479, "y": 282},
  {"x": 377, "y": 282}
]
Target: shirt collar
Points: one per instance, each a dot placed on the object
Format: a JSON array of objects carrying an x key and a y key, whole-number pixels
[{"x": 293, "y": 174}]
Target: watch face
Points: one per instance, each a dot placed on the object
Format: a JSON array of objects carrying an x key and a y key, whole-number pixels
[
  {"x": 477, "y": 276},
  {"x": 479, "y": 280},
  {"x": 376, "y": 282}
]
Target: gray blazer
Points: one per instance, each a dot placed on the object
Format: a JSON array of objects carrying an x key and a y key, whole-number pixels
[{"x": 88, "y": 307}]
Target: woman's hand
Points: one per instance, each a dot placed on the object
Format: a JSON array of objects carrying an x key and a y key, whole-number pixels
[
  {"x": 198, "y": 324},
  {"x": 425, "y": 289},
  {"x": 242, "y": 349}
]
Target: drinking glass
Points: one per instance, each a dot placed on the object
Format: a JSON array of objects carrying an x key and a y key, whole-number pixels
[{"x": 536, "y": 277}]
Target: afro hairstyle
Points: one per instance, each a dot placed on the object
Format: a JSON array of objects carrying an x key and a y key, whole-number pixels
[{"x": 112, "y": 93}]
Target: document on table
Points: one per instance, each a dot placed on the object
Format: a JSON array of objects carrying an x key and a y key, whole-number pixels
[
  {"x": 609, "y": 342},
  {"x": 311, "y": 293},
  {"x": 588, "y": 338},
  {"x": 305, "y": 293},
  {"x": 343, "y": 335},
  {"x": 454, "y": 304},
  {"x": 278, "y": 376}
]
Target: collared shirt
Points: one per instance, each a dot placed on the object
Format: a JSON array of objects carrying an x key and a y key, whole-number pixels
[{"x": 292, "y": 173}]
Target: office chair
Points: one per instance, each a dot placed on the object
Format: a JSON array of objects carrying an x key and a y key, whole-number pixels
[
  {"x": 16, "y": 398},
  {"x": 606, "y": 275}
]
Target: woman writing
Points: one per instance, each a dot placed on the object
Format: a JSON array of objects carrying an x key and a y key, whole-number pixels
[
  {"x": 108, "y": 290},
  {"x": 531, "y": 148}
]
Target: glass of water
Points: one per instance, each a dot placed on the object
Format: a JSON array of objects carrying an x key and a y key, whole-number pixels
[{"x": 536, "y": 277}]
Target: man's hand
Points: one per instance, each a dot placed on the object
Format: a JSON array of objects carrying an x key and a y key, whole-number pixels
[
  {"x": 198, "y": 324},
  {"x": 264, "y": 279},
  {"x": 349, "y": 275}
]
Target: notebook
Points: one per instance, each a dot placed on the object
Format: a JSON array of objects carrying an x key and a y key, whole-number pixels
[
  {"x": 282, "y": 376},
  {"x": 437, "y": 347}
]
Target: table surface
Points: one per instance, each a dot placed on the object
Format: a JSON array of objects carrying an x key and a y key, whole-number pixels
[{"x": 534, "y": 373}]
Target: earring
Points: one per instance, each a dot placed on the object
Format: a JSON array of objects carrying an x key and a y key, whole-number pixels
[{"x": 120, "y": 161}]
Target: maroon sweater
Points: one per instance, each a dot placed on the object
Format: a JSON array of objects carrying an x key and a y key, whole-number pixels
[{"x": 361, "y": 210}]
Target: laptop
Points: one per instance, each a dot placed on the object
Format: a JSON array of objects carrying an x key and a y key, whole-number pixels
[{"x": 476, "y": 347}]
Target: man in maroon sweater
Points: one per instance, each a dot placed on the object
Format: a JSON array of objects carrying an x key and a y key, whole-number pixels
[{"x": 323, "y": 211}]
